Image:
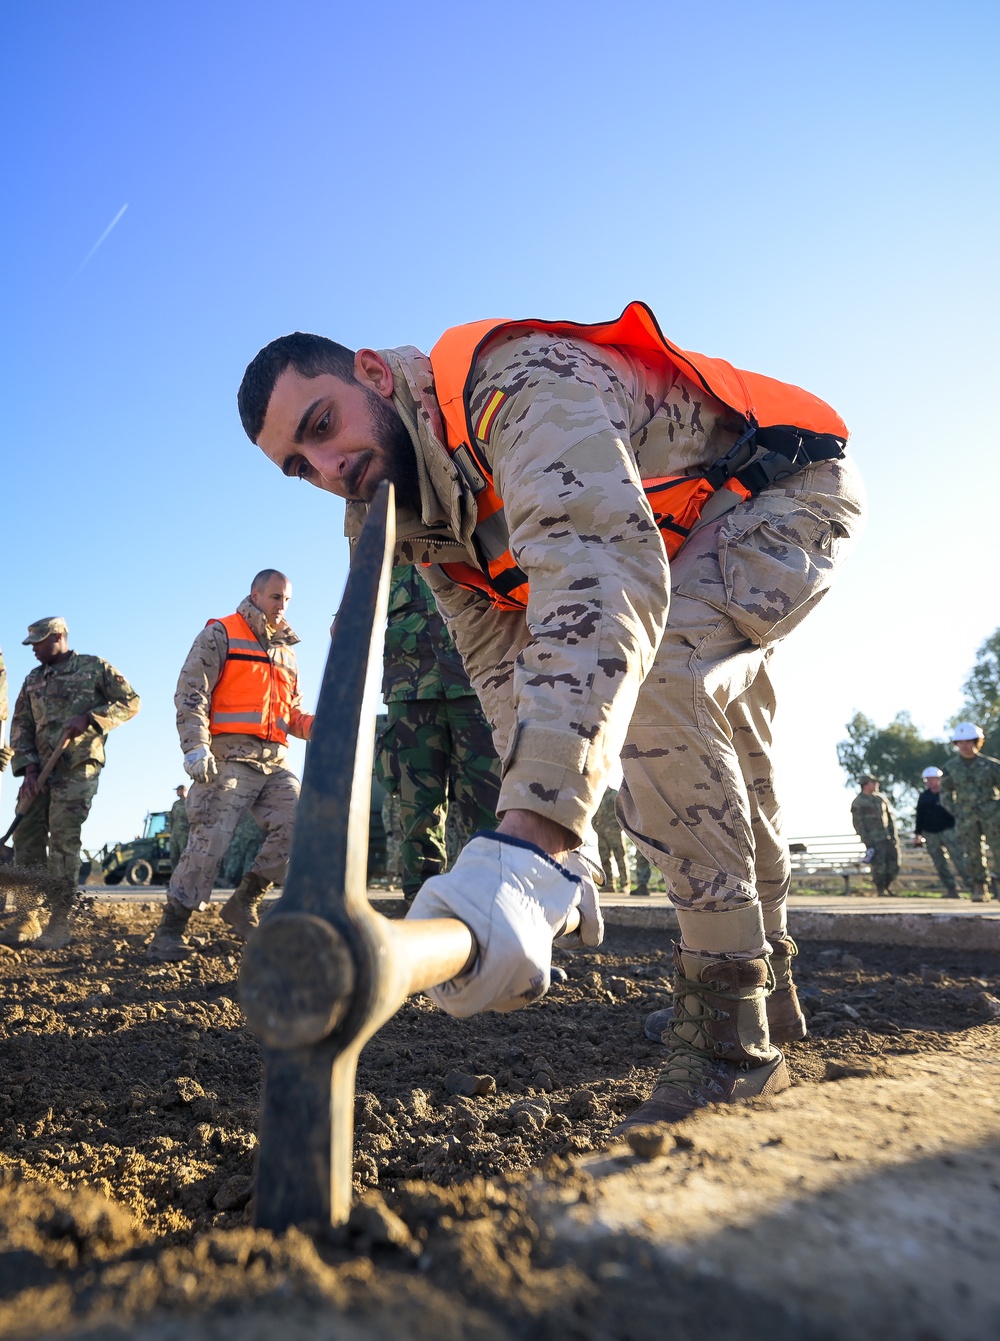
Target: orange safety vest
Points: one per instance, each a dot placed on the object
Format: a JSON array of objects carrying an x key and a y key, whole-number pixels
[
  {"x": 791, "y": 427},
  {"x": 256, "y": 690}
]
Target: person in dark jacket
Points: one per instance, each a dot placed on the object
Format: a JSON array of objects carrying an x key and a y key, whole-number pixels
[{"x": 935, "y": 830}]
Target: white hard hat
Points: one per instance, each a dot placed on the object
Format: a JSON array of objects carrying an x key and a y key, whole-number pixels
[
  {"x": 966, "y": 731},
  {"x": 932, "y": 772}
]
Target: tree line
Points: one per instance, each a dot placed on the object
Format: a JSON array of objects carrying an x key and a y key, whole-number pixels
[{"x": 897, "y": 754}]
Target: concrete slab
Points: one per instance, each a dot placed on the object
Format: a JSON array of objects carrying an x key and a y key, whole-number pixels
[
  {"x": 865, "y": 1208},
  {"x": 937, "y": 923}
]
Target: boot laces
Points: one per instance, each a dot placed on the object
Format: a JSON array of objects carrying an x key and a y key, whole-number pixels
[{"x": 692, "y": 1062}]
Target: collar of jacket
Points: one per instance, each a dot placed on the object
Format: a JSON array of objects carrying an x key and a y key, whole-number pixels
[
  {"x": 442, "y": 533},
  {"x": 258, "y": 623}
]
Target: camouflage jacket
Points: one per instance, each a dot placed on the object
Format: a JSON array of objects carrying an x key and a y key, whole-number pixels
[
  {"x": 420, "y": 658},
  {"x": 971, "y": 784},
  {"x": 199, "y": 676},
  {"x": 873, "y": 820},
  {"x": 576, "y": 430},
  {"x": 51, "y": 695},
  {"x": 179, "y": 825}
]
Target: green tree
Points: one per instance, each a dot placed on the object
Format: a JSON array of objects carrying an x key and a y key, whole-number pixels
[
  {"x": 982, "y": 694},
  {"x": 895, "y": 754}
]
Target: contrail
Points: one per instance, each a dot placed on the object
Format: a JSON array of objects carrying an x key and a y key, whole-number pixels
[{"x": 101, "y": 239}]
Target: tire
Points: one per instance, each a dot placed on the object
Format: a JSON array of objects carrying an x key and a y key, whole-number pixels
[{"x": 139, "y": 872}]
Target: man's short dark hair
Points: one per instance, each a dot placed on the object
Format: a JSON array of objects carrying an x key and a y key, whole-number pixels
[
  {"x": 309, "y": 355},
  {"x": 264, "y": 576}
]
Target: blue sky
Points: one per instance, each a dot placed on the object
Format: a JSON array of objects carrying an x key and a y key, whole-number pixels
[{"x": 809, "y": 190}]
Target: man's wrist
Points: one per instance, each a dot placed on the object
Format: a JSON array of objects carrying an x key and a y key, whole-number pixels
[{"x": 551, "y": 837}]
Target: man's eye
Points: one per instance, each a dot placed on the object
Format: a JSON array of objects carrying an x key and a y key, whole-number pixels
[
  {"x": 323, "y": 424},
  {"x": 301, "y": 470}
]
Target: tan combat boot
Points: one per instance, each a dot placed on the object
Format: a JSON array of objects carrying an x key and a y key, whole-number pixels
[
  {"x": 58, "y": 934},
  {"x": 240, "y": 909},
  {"x": 785, "y": 1021},
  {"x": 720, "y": 1050},
  {"x": 167, "y": 945},
  {"x": 25, "y": 926}
]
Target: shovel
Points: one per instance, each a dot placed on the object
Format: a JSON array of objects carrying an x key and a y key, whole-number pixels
[{"x": 6, "y": 851}]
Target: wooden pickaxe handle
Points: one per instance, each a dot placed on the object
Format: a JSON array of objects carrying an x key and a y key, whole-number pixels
[{"x": 22, "y": 807}]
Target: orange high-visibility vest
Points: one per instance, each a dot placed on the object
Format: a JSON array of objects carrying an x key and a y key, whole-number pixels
[
  {"x": 256, "y": 690},
  {"x": 800, "y": 426}
]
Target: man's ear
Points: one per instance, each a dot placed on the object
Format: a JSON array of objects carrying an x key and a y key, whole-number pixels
[{"x": 372, "y": 371}]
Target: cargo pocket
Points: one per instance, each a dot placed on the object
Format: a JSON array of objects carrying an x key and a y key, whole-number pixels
[
  {"x": 386, "y": 759},
  {"x": 771, "y": 568}
]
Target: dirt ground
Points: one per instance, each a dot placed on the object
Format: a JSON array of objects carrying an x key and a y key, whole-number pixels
[{"x": 128, "y": 1114}]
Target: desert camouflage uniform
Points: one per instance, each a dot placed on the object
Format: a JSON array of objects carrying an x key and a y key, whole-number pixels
[
  {"x": 243, "y": 849},
  {"x": 611, "y": 844},
  {"x": 49, "y": 834},
  {"x": 252, "y": 774},
  {"x": 876, "y": 827},
  {"x": 592, "y": 669},
  {"x": 970, "y": 789},
  {"x": 435, "y": 752},
  {"x": 180, "y": 827}
]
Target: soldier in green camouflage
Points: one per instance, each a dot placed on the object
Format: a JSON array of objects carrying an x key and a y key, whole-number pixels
[
  {"x": 611, "y": 845},
  {"x": 970, "y": 789},
  {"x": 84, "y": 697},
  {"x": 876, "y": 827},
  {"x": 180, "y": 826},
  {"x": 436, "y": 752},
  {"x": 242, "y": 851},
  {"x": 393, "y": 839}
]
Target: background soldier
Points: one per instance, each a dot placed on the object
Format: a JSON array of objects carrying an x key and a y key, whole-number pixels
[
  {"x": 876, "y": 827},
  {"x": 970, "y": 788},
  {"x": 436, "y": 752},
  {"x": 179, "y": 826},
  {"x": 242, "y": 853},
  {"x": 934, "y": 829},
  {"x": 611, "y": 845},
  {"x": 393, "y": 839},
  {"x": 237, "y": 703},
  {"x": 82, "y": 697}
]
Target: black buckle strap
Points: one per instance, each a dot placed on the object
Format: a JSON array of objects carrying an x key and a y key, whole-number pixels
[{"x": 764, "y": 457}]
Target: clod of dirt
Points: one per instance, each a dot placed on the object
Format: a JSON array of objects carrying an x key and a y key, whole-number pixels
[
  {"x": 234, "y": 1194},
  {"x": 930, "y": 977},
  {"x": 582, "y": 1104},
  {"x": 462, "y": 1083},
  {"x": 844, "y": 1068},
  {"x": 988, "y": 1005},
  {"x": 852, "y": 962},
  {"x": 647, "y": 1142},
  {"x": 377, "y": 1226}
]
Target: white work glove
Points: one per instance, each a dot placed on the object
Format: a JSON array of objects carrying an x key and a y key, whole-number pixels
[
  {"x": 514, "y": 899},
  {"x": 200, "y": 764}
]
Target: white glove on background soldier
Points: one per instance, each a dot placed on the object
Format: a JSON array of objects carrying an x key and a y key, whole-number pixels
[
  {"x": 200, "y": 764},
  {"x": 514, "y": 898}
]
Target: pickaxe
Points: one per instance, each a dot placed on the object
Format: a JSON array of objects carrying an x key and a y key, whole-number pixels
[
  {"x": 7, "y": 853},
  {"x": 325, "y": 971}
]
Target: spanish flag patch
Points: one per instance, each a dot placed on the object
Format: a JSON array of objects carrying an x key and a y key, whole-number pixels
[{"x": 489, "y": 412}]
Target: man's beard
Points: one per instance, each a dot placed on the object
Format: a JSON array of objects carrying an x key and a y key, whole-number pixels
[{"x": 399, "y": 457}]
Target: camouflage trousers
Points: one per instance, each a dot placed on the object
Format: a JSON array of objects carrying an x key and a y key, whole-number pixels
[
  {"x": 216, "y": 808},
  {"x": 971, "y": 828},
  {"x": 698, "y": 798},
  {"x": 437, "y": 755},
  {"x": 884, "y": 863},
  {"x": 49, "y": 834},
  {"x": 178, "y": 842},
  {"x": 941, "y": 846},
  {"x": 393, "y": 836},
  {"x": 643, "y": 871},
  {"x": 612, "y": 849}
]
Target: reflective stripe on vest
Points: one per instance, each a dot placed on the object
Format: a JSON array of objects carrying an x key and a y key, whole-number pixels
[
  {"x": 803, "y": 428},
  {"x": 256, "y": 689}
]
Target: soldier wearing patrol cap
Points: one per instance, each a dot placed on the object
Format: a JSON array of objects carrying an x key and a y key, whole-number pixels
[
  {"x": 875, "y": 825},
  {"x": 6, "y": 753},
  {"x": 934, "y": 829},
  {"x": 970, "y": 788},
  {"x": 69, "y": 695}
]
